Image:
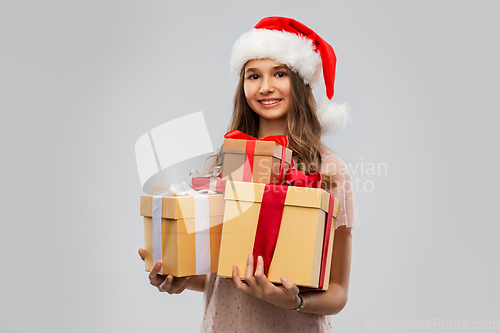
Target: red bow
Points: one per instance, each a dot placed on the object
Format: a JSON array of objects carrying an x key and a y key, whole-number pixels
[
  {"x": 279, "y": 139},
  {"x": 297, "y": 178}
]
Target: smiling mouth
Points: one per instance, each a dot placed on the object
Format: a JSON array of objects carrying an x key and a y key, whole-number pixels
[{"x": 270, "y": 102}]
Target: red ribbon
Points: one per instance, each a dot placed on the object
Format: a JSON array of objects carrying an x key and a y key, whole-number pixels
[
  {"x": 203, "y": 183},
  {"x": 271, "y": 212},
  {"x": 326, "y": 242},
  {"x": 279, "y": 139},
  {"x": 249, "y": 156},
  {"x": 268, "y": 225},
  {"x": 298, "y": 178},
  {"x": 282, "y": 165},
  {"x": 250, "y": 149}
]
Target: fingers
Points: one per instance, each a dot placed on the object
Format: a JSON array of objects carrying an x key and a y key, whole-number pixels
[
  {"x": 290, "y": 287},
  {"x": 154, "y": 278},
  {"x": 168, "y": 283},
  {"x": 259, "y": 272},
  {"x": 173, "y": 285},
  {"x": 165, "y": 285},
  {"x": 239, "y": 284},
  {"x": 249, "y": 277},
  {"x": 155, "y": 270},
  {"x": 265, "y": 285},
  {"x": 249, "y": 270},
  {"x": 259, "y": 286},
  {"x": 142, "y": 253}
]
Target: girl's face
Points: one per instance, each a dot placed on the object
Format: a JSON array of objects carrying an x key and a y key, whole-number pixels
[{"x": 267, "y": 88}]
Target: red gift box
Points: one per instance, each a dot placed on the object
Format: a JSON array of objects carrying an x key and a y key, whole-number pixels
[{"x": 205, "y": 183}]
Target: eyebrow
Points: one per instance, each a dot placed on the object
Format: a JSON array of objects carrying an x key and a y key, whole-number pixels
[
  {"x": 250, "y": 70},
  {"x": 253, "y": 70}
]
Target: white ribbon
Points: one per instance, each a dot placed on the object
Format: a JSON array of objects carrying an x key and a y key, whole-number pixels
[
  {"x": 202, "y": 233},
  {"x": 214, "y": 174},
  {"x": 157, "y": 232},
  {"x": 202, "y": 225}
]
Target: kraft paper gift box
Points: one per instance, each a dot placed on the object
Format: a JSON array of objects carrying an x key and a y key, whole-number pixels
[
  {"x": 304, "y": 244},
  {"x": 255, "y": 160},
  {"x": 182, "y": 231}
]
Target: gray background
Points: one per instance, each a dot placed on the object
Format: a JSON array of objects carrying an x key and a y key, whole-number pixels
[{"x": 81, "y": 81}]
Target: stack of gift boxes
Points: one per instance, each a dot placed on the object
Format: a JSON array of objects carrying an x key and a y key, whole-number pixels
[{"x": 262, "y": 207}]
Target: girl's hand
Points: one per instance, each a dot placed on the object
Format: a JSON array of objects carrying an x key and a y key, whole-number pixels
[
  {"x": 168, "y": 284},
  {"x": 285, "y": 296}
]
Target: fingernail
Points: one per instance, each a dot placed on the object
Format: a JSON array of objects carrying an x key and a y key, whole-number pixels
[
  {"x": 260, "y": 258},
  {"x": 158, "y": 264},
  {"x": 234, "y": 268},
  {"x": 284, "y": 279},
  {"x": 249, "y": 257}
]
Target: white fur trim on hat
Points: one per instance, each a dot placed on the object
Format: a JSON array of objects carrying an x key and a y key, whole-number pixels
[
  {"x": 332, "y": 116},
  {"x": 296, "y": 52}
]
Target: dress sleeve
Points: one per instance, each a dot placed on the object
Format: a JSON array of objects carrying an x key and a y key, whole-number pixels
[{"x": 341, "y": 188}]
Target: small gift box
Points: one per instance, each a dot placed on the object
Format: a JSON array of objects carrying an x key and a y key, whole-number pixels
[
  {"x": 249, "y": 159},
  {"x": 183, "y": 231},
  {"x": 209, "y": 181},
  {"x": 292, "y": 227},
  {"x": 212, "y": 184}
]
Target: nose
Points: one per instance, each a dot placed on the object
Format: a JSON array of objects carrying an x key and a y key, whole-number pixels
[{"x": 266, "y": 86}]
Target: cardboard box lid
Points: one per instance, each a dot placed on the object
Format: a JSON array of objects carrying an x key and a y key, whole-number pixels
[
  {"x": 262, "y": 148},
  {"x": 182, "y": 206},
  {"x": 296, "y": 196}
]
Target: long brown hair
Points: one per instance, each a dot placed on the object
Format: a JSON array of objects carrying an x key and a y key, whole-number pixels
[{"x": 302, "y": 127}]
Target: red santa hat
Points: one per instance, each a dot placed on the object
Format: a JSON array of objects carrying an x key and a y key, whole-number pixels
[{"x": 293, "y": 44}]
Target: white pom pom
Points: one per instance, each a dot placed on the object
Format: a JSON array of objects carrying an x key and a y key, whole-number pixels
[{"x": 332, "y": 116}]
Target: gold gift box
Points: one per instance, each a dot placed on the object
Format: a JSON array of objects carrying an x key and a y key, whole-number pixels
[
  {"x": 299, "y": 247},
  {"x": 178, "y": 236}
]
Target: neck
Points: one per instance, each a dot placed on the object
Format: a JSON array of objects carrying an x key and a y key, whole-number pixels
[{"x": 271, "y": 127}]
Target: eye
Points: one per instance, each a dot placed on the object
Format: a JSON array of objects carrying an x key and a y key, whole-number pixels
[
  {"x": 253, "y": 77},
  {"x": 281, "y": 74}
]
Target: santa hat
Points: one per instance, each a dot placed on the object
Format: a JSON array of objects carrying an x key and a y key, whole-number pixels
[{"x": 293, "y": 44}]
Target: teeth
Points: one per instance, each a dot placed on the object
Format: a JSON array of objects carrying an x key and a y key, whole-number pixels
[{"x": 270, "y": 102}]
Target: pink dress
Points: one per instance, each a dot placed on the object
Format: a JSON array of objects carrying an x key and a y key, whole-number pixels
[{"x": 229, "y": 310}]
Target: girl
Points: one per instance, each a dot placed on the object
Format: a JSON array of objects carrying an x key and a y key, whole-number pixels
[{"x": 278, "y": 62}]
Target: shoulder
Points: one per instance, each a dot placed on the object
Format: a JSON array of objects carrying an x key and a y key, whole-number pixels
[{"x": 331, "y": 163}]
